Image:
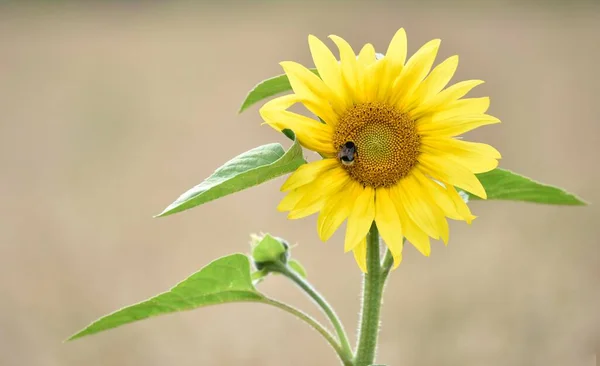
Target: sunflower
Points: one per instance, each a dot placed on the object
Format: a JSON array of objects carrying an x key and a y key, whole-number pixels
[{"x": 387, "y": 132}]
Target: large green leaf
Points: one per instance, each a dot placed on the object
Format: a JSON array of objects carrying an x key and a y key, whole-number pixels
[
  {"x": 268, "y": 88},
  {"x": 501, "y": 184},
  {"x": 224, "y": 280},
  {"x": 244, "y": 171}
]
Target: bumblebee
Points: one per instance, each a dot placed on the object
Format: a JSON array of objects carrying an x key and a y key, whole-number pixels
[{"x": 347, "y": 153}]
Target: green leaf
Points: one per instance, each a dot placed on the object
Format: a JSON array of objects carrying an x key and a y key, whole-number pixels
[
  {"x": 268, "y": 88},
  {"x": 259, "y": 276},
  {"x": 244, "y": 171},
  {"x": 503, "y": 184},
  {"x": 296, "y": 266},
  {"x": 224, "y": 280}
]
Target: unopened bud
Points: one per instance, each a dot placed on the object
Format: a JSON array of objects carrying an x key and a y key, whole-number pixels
[{"x": 268, "y": 249}]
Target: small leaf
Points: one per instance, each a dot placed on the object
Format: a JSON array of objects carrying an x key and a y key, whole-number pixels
[
  {"x": 259, "y": 276},
  {"x": 222, "y": 281},
  {"x": 268, "y": 88},
  {"x": 296, "y": 266},
  {"x": 244, "y": 171},
  {"x": 503, "y": 184}
]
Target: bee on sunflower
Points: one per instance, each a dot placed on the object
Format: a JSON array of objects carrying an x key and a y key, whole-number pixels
[{"x": 388, "y": 131}]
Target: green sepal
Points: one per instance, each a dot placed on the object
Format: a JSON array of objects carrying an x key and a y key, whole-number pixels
[{"x": 297, "y": 267}]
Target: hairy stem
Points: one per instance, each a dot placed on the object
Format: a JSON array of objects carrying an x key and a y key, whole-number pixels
[
  {"x": 386, "y": 266},
  {"x": 327, "y": 309},
  {"x": 371, "y": 301},
  {"x": 346, "y": 361}
]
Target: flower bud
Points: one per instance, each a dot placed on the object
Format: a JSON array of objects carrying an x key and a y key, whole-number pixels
[{"x": 268, "y": 249}]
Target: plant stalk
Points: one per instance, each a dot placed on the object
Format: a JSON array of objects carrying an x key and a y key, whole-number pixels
[
  {"x": 373, "y": 284},
  {"x": 346, "y": 361},
  {"x": 346, "y": 350}
]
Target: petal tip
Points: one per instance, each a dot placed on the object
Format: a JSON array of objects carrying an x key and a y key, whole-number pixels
[
  {"x": 397, "y": 262},
  {"x": 313, "y": 41},
  {"x": 286, "y": 64},
  {"x": 469, "y": 220}
]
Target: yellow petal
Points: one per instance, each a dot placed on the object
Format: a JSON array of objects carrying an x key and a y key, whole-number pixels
[
  {"x": 329, "y": 68},
  {"x": 449, "y": 95},
  {"x": 360, "y": 254},
  {"x": 396, "y": 51},
  {"x": 443, "y": 228},
  {"x": 437, "y": 215},
  {"x": 375, "y": 80},
  {"x": 397, "y": 257},
  {"x": 307, "y": 173},
  {"x": 439, "y": 195},
  {"x": 395, "y": 58},
  {"x": 316, "y": 96},
  {"x": 291, "y": 199},
  {"x": 281, "y": 103},
  {"x": 435, "y": 81},
  {"x": 461, "y": 205},
  {"x": 462, "y": 146},
  {"x": 349, "y": 65},
  {"x": 454, "y": 126},
  {"x": 478, "y": 159},
  {"x": 366, "y": 55},
  {"x": 308, "y": 210},
  {"x": 328, "y": 183},
  {"x": 286, "y": 101},
  {"x": 336, "y": 210},
  {"x": 463, "y": 107},
  {"x": 413, "y": 233},
  {"x": 417, "y": 67},
  {"x": 291, "y": 202},
  {"x": 453, "y": 173},
  {"x": 388, "y": 223},
  {"x": 417, "y": 237},
  {"x": 419, "y": 207},
  {"x": 361, "y": 218},
  {"x": 310, "y": 133}
]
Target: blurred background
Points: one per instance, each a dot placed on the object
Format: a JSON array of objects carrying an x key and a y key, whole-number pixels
[{"x": 108, "y": 111}]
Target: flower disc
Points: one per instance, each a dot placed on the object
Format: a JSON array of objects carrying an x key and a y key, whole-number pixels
[{"x": 386, "y": 143}]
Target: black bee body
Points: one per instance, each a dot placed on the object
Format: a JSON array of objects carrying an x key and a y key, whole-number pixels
[{"x": 347, "y": 153}]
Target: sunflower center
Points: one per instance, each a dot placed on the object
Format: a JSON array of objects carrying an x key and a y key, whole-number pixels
[{"x": 377, "y": 144}]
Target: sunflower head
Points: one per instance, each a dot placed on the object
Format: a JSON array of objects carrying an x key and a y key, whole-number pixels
[{"x": 388, "y": 132}]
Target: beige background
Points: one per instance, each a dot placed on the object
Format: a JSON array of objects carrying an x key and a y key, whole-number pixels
[{"x": 109, "y": 112}]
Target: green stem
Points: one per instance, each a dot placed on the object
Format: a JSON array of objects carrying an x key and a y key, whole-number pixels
[
  {"x": 323, "y": 304},
  {"x": 386, "y": 266},
  {"x": 316, "y": 326},
  {"x": 373, "y": 284}
]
